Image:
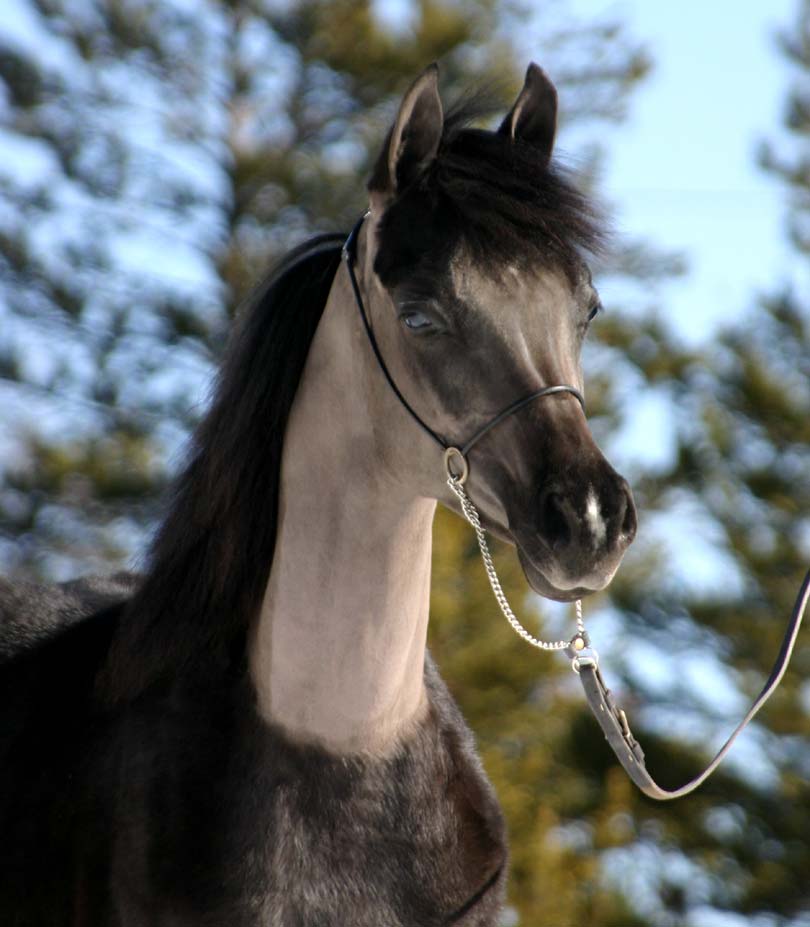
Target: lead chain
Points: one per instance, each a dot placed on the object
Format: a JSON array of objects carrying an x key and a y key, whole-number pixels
[{"x": 472, "y": 516}]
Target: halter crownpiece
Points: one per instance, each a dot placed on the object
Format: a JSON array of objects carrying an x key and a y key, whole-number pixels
[{"x": 584, "y": 660}]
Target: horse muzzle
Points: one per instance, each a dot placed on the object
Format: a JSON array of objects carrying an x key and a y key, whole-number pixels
[{"x": 577, "y": 533}]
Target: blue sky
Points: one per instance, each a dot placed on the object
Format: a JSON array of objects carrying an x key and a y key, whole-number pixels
[{"x": 682, "y": 168}]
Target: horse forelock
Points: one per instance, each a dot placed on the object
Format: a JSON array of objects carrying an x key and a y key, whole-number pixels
[{"x": 498, "y": 197}]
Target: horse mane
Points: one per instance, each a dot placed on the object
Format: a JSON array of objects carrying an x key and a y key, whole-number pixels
[{"x": 210, "y": 560}]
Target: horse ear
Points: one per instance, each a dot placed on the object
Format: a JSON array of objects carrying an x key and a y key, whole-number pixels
[
  {"x": 533, "y": 118},
  {"x": 414, "y": 138}
]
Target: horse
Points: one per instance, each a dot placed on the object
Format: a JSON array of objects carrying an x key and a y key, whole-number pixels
[{"x": 251, "y": 731}]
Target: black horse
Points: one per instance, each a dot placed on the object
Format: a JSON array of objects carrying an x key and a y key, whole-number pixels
[{"x": 251, "y": 733}]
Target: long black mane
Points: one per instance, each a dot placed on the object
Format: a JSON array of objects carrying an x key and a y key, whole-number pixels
[{"x": 210, "y": 560}]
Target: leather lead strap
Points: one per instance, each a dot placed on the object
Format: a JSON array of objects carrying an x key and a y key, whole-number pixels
[{"x": 613, "y": 720}]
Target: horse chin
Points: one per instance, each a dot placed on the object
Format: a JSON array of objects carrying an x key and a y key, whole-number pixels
[{"x": 544, "y": 587}]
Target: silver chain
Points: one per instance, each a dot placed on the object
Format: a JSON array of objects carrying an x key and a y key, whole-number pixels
[{"x": 472, "y": 516}]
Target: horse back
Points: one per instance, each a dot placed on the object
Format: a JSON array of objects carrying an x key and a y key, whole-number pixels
[
  {"x": 53, "y": 640},
  {"x": 31, "y": 614}
]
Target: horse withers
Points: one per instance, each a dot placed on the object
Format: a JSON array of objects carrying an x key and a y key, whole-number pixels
[{"x": 251, "y": 732}]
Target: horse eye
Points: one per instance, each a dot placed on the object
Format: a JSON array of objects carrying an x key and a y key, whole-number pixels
[
  {"x": 416, "y": 321},
  {"x": 595, "y": 310}
]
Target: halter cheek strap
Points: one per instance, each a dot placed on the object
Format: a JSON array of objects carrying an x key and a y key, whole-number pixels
[{"x": 455, "y": 457}]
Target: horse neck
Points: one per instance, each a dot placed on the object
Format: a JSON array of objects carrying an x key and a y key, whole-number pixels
[{"x": 337, "y": 654}]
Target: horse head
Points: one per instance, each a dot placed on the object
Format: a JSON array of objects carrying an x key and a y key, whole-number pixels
[{"x": 472, "y": 262}]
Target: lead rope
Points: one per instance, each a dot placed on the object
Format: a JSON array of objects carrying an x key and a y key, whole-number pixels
[
  {"x": 578, "y": 642},
  {"x": 585, "y": 661}
]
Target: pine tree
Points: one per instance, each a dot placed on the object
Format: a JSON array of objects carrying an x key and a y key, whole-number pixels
[
  {"x": 109, "y": 300},
  {"x": 750, "y": 461}
]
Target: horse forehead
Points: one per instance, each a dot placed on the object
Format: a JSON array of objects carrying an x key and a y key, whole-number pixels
[{"x": 512, "y": 296}]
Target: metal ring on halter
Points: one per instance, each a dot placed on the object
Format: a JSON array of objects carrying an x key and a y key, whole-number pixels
[{"x": 449, "y": 455}]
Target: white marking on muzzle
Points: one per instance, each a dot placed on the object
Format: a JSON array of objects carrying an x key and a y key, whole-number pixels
[{"x": 593, "y": 518}]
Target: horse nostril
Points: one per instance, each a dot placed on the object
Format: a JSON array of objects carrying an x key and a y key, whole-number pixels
[
  {"x": 557, "y": 528},
  {"x": 630, "y": 520}
]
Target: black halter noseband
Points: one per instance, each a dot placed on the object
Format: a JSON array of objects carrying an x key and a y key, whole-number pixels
[{"x": 450, "y": 450}]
